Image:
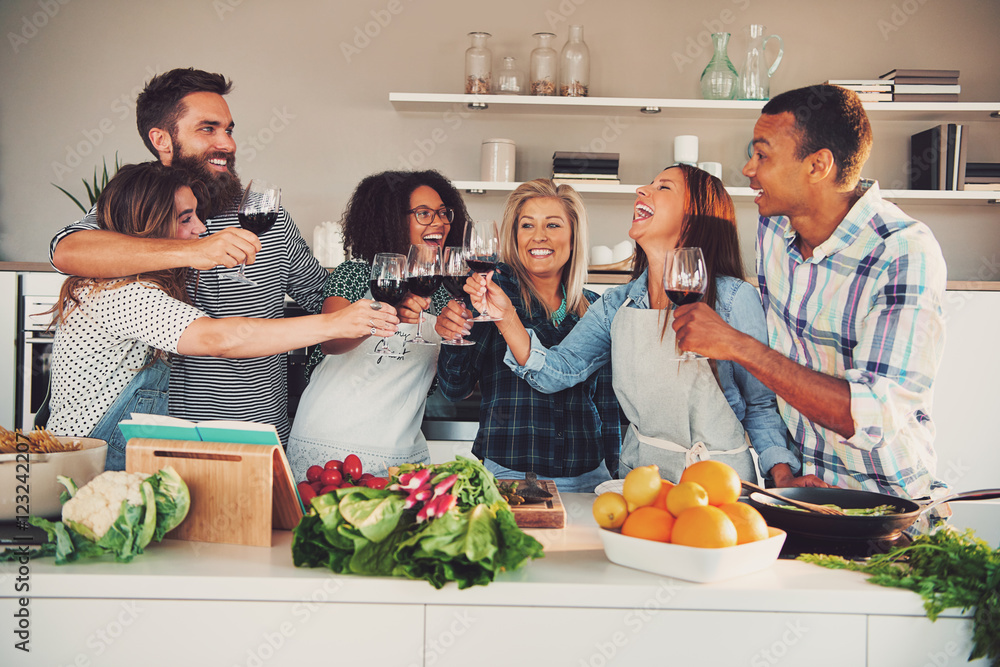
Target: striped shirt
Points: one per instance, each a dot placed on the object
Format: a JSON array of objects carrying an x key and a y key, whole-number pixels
[
  {"x": 256, "y": 389},
  {"x": 865, "y": 307}
]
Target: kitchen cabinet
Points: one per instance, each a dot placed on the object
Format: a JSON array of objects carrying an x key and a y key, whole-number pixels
[
  {"x": 8, "y": 346},
  {"x": 242, "y": 605}
]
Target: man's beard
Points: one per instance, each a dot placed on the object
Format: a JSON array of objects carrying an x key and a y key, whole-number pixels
[{"x": 218, "y": 190}]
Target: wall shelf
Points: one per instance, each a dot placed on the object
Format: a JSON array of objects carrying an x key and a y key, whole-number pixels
[
  {"x": 745, "y": 194},
  {"x": 671, "y": 108}
]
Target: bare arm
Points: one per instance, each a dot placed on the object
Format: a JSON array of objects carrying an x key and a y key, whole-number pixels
[
  {"x": 341, "y": 345},
  {"x": 99, "y": 253},
  {"x": 821, "y": 398},
  {"x": 244, "y": 337},
  {"x": 499, "y": 305}
]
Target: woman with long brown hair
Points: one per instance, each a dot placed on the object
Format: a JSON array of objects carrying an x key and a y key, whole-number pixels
[
  {"x": 114, "y": 335},
  {"x": 680, "y": 411}
]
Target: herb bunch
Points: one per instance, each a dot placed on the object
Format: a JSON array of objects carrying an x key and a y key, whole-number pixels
[{"x": 947, "y": 569}]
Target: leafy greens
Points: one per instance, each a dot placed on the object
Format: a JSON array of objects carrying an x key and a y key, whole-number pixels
[
  {"x": 947, "y": 569},
  {"x": 366, "y": 531}
]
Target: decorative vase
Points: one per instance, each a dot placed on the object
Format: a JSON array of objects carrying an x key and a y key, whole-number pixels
[
  {"x": 543, "y": 65},
  {"x": 718, "y": 81},
  {"x": 574, "y": 65},
  {"x": 510, "y": 80},
  {"x": 755, "y": 78},
  {"x": 478, "y": 65}
]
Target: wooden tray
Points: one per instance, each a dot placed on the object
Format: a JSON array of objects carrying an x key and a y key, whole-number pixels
[
  {"x": 239, "y": 492},
  {"x": 550, "y": 514}
]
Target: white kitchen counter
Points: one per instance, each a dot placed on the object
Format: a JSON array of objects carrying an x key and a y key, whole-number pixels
[{"x": 213, "y": 604}]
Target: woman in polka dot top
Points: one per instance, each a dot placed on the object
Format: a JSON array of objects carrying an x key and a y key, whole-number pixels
[{"x": 114, "y": 336}]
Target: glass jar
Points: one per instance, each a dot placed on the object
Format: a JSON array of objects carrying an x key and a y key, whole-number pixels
[
  {"x": 543, "y": 65},
  {"x": 574, "y": 65},
  {"x": 718, "y": 81},
  {"x": 510, "y": 80},
  {"x": 478, "y": 65}
]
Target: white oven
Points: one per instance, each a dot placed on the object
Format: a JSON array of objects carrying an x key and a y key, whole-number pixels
[{"x": 39, "y": 293}]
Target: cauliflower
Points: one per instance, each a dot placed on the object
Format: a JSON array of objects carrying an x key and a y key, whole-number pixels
[{"x": 97, "y": 506}]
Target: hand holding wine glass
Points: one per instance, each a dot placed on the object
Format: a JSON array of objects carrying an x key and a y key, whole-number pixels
[
  {"x": 257, "y": 213},
  {"x": 685, "y": 279},
  {"x": 423, "y": 277},
  {"x": 482, "y": 251}
]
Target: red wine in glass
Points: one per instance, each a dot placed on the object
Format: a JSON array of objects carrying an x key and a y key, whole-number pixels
[
  {"x": 257, "y": 213},
  {"x": 423, "y": 285},
  {"x": 454, "y": 274},
  {"x": 389, "y": 290},
  {"x": 481, "y": 266},
  {"x": 423, "y": 277},
  {"x": 683, "y": 297},
  {"x": 482, "y": 251}
]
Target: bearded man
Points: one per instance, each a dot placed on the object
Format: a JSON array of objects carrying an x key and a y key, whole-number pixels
[{"x": 185, "y": 122}]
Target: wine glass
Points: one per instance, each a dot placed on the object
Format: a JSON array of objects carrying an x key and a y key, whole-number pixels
[
  {"x": 482, "y": 250},
  {"x": 685, "y": 280},
  {"x": 453, "y": 275},
  {"x": 388, "y": 283},
  {"x": 257, "y": 213},
  {"x": 423, "y": 277}
]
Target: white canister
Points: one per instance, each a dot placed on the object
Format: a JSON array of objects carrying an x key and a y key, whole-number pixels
[
  {"x": 714, "y": 168},
  {"x": 686, "y": 149},
  {"x": 497, "y": 162}
]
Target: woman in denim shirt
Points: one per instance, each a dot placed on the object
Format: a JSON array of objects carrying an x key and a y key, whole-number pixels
[{"x": 680, "y": 411}]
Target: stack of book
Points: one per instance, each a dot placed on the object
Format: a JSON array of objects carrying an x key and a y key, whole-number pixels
[
  {"x": 982, "y": 176},
  {"x": 938, "y": 158},
  {"x": 868, "y": 90},
  {"x": 923, "y": 85},
  {"x": 574, "y": 168}
]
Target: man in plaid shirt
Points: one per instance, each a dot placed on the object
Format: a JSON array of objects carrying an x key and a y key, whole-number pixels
[{"x": 852, "y": 288}]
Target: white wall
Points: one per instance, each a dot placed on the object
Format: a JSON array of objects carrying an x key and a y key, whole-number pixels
[{"x": 321, "y": 120}]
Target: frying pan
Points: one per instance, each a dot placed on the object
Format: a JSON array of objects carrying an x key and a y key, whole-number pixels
[{"x": 849, "y": 527}]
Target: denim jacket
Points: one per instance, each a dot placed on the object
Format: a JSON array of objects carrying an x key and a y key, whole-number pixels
[{"x": 588, "y": 347}]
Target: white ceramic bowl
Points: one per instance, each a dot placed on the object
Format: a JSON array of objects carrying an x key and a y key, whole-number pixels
[
  {"x": 43, "y": 490},
  {"x": 692, "y": 563}
]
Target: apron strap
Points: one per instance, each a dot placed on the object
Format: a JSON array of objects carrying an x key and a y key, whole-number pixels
[{"x": 697, "y": 452}]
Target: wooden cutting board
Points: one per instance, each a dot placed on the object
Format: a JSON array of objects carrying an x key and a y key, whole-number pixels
[{"x": 549, "y": 514}]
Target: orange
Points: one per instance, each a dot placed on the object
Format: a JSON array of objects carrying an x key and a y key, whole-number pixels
[
  {"x": 750, "y": 525},
  {"x": 684, "y": 496},
  {"x": 641, "y": 486},
  {"x": 610, "y": 510},
  {"x": 661, "y": 497},
  {"x": 718, "y": 478},
  {"x": 705, "y": 527},
  {"x": 649, "y": 523}
]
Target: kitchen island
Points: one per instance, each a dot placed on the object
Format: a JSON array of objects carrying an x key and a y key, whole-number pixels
[{"x": 220, "y": 605}]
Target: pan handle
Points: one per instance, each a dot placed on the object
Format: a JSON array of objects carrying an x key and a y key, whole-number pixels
[{"x": 980, "y": 494}]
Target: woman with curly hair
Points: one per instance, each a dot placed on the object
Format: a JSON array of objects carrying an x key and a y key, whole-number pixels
[
  {"x": 114, "y": 335},
  {"x": 572, "y": 436},
  {"x": 365, "y": 396},
  {"x": 679, "y": 411}
]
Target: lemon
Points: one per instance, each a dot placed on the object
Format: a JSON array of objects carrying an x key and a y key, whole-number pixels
[
  {"x": 610, "y": 510},
  {"x": 685, "y": 496},
  {"x": 641, "y": 487}
]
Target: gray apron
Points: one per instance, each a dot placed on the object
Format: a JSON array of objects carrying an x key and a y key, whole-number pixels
[
  {"x": 371, "y": 406},
  {"x": 678, "y": 412}
]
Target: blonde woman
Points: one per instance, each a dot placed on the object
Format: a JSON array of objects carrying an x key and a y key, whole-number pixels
[{"x": 572, "y": 436}]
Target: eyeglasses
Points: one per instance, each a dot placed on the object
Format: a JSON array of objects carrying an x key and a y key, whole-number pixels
[{"x": 425, "y": 216}]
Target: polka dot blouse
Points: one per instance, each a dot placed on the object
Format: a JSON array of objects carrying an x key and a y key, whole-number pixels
[{"x": 103, "y": 344}]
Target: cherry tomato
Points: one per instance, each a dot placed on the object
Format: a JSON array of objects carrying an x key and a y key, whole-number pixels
[
  {"x": 334, "y": 465},
  {"x": 352, "y": 467},
  {"x": 313, "y": 473},
  {"x": 327, "y": 489},
  {"x": 376, "y": 482},
  {"x": 330, "y": 477},
  {"x": 346, "y": 485},
  {"x": 366, "y": 475},
  {"x": 317, "y": 485},
  {"x": 306, "y": 492}
]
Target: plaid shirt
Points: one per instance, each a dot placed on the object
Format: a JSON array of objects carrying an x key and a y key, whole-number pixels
[
  {"x": 563, "y": 434},
  {"x": 865, "y": 307}
]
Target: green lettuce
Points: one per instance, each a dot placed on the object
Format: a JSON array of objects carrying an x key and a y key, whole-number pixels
[{"x": 368, "y": 532}]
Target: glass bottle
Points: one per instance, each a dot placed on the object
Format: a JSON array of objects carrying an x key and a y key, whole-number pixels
[
  {"x": 755, "y": 77},
  {"x": 543, "y": 65},
  {"x": 574, "y": 65},
  {"x": 718, "y": 81},
  {"x": 478, "y": 65},
  {"x": 510, "y": 80}
]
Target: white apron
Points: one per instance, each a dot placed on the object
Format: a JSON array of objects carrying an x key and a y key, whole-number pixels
[
  {"x": 372, "y": 406},
  {"x": 678, "y": 412}
]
